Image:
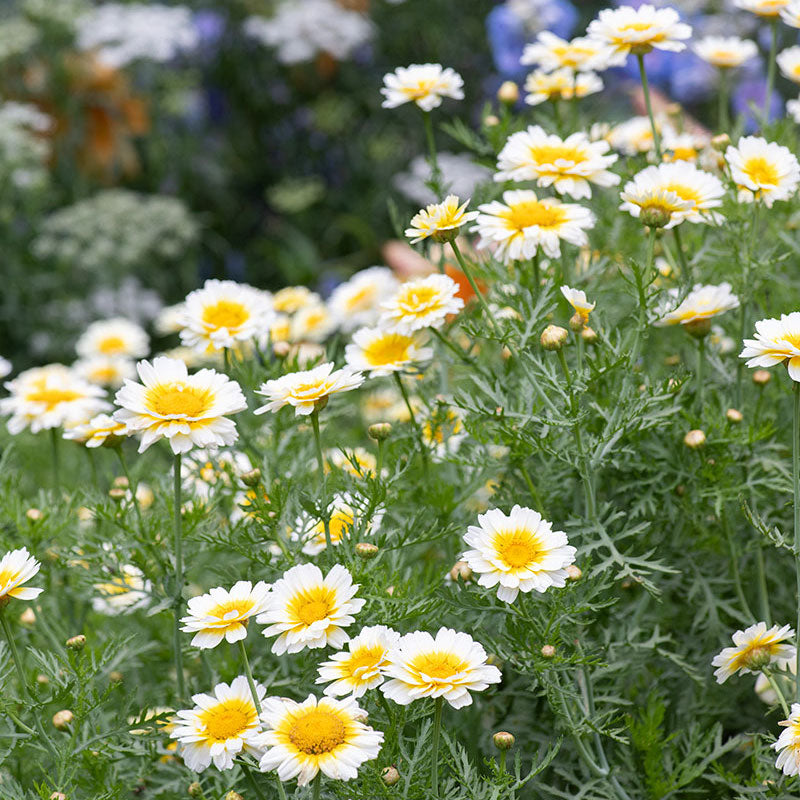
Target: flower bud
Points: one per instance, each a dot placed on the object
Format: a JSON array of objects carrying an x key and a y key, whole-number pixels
[
  {"x": 28, "y": 616},
  {"x": 694, "y": 439},
  {"x": 390, "y": 775},
  {"x": 761, "y": 377},
  {"x": 231, "y": 795},
  {"x": 461, "y": 570},
  {"x": 491, "y": 121},
  {"x": 117, "y": 494},
  {"x": 503, "y": 740},
  {"x": 574, "y": 573},
  {"x": 366, "y": 550},
  {"x": 58, "y": 796},
  {"x": 63, "y": 719},
  {"x": 734, "y": 416},
  {"x": 76, "y": 642},
  {"x": 115, "y": 676},
  {"x": 121, "y": 482},
  {"x": 252, "y": 478},
  {"x": 757, "y": 659},
  {"x": 589, "y": 335},
  {"x": 42, "y": 680},
  {"x": 576, "y": 322},
  {"x": 281, "y": 349},
  {"x": 194, "y": 789},
  {"x": 672, "y": 361},
  {"x": 655, "y": 217},
  {"x": 553, "y": 337},
  {"x": 508, "y": 93},
  {"x": 720, "y": 142},
  {"x": 380, "y": 431},
  {"x": 548, "y": 651},
  {"x": 699, "y": 328},
  {"x": 34, "y": 514}
]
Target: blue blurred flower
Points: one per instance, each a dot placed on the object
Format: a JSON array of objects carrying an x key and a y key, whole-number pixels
[{"x": 753, "y": 92}]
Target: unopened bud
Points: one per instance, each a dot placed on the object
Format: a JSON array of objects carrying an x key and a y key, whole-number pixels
[
  {"x": 42, "y": 680},
  {"x": 28, "y": 616},
  {"x": 366, "y": 550},
  {"x": 655, "y": 217},
  {"x": 589, "y": 335},
  {"x": 252, "y": 478},
  {"x": 115, "y": 676},
  {"x": 461, "y": 570},
  {"x": 508, "y": 93},
  {"x": 58, "y": 796},
  {"x": 76, "y": 642},
  {"x": 390, "y": 775},
  {"x": 553, "y": 337},
  {"x": 194, "y": 789},
  {"x": 380, "y": 431},
  {"x": 117, "y": 494},
  {"x": 491, "y": 121},
  {"x": 673, "y": 360},
  {"x": 574, "y": 573},
  {"x": 734, "y": 416},
  {"x": 761, "y": 377},
  {"x": 34, "y": 514},
  {"x": 231, "y": 795},
  {"x": 62, "y": 719},
  {"x": 121, "y": 482},
  {"x": 503, "y": 740},
  {"x": 281, "y": 349},
  {"x": 699, "y": 328},
  {"x": 720, "y": 142},
  {"x": 694, "y": 439},
  {"x": 390, "y": 590},
  {"x": 576, "y": 322},
  {"x": 548, "y": 651}
]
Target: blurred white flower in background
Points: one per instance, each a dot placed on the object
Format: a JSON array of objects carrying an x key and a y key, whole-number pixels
[{"x": 459, "y": 173}]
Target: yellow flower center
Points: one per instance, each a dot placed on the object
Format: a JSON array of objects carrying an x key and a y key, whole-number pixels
[
  {"x": 517, "y": 548},
  {"x": 226, "y": 314},
  {"x": 363, "y": 659},
  {"x": 532, "y": 212},
  {"x": 549, "y": 154},
  {"x": 420, "y": 300},
  {"x": 52, "y": 397},
  {"x": 761, "y": 171},
  {"x": 317, "y": 731},
  {"x": 312, "y": 605},
  {"x": 177, "y": 399},
  {"x": 104, "y": 374},
  {"x": 241, "y": 607},
  {"x": 362, "y": 299},
  {"x": 111, "y": 345},
  {"x": 391, "y": 348},
  {"x": 7, "y": 575},
  {"x": 421, "y": 89},
  {"x": 228, "y": 720},
  {"x": 683, "y": 191},
  {"x": 439, "y": 664},
  {"x": 639, "y": 27}
]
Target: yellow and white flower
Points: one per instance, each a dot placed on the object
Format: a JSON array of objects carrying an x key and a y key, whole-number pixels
[
  {"x": 793, "y": 109},
  {"x": 421, "y": 303},
  {"x": 341, "y": 519},
  {"x": 356, "y": 302},
  {"x": 754, "y": 648},
  {"x": 113, "y": 337},
  {"x": 568, "y": 165},
  {"x": 111, "y": 371},
  {"x": 224, "y": 314},
  {"x": 187, "y": 410},
  {"x": 440, "y": 220},
  {"x": 518, "y": 552},
  {"x": 16, "y": 568},
  {"x": 551, "y": 52},
  {"x": 169, "y": 320},
  {"x": 789, "y": 62},
  {"x": 777, "y": 340},
  {"x": 764, "y": 8},
  {"x": 450, "y": 665},
  {"x": 291, "y": 299},
  {"x": 220, "y": 726},
  {"x": 443, "y": 430},
  {"x": 639, "y": 30},
  {"x": 725, "y": 52},
  {"x": 125, "y": 590},
  {"x": 312, "y": 323},
  {"x": 635, "y": 136},
  {"x": 788, "y": 744},
  {"x": 99, "y": 430},
  {"x": 362, "y": 665},
  {"x": 765, "y": 170},
  {"x": 380, "y": 352},
  {"x": 790, "y": 14},
  {"x": 563, "y": 84},
  {"x": 50, "y": 397},
  {"x": 682, "y": 146},
  {"x": 306, "y": 609},
  {"x": 424, "y": 84},
  {"x": 308, "y": 389},
  {"x": 224, "y": 613},
  {"x": 702, "y": 304},
  {"x": 577, "y": 299},
  {"x": 325, "y": 735},
  {"x": 784, "y": 674},
  {"x": 522, "y": 224},
  {"x": 357, "y": 462},
  {"x": 202, "y": 471}
]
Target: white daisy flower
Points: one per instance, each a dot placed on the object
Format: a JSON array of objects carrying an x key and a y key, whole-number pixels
[
  {"x": 700, "y": 305},
  {"x": 551, "y": 52},
  {"x": 125, "y": 590},
  {"x": 789, "y": 62},
  {"x": 635, "y": 136},
  {"x": 421, "y": 303},
  {"x": 16, "y": 568},
  {"x": 187, "y": 410},
  {"x": 379, "y": 352},
  {"x": 291, "y": 299},
  {"x": 793, "y": 109},
  {"x": 522, "y": 224},
  {"x": 790, "y": 14},
  {"x": 518, "y": 552},
  {"x": 224, "y": 613},
  {"x": 99, "y": 430},
  {"x": 113, "y": 337},
  {"x": 577, "y": 299},
  {"x": 754, "y": 648},
  {"x": 563, "y": 84},
  {"x": 683, "y": 146},
  {"x": 423, "y": 84},
  {"x": 443, "y": 431},
  {"x": 224, "y": 314},
  {"x": 308, "y": 389},
  {"x": 111, "y": 371},
  {"x": 440, "y": 220},
  {"x": 306, "y": 609},
  {"x": 725, "y": 52},
  {"x": 766, "y": 170},
  {"x": 5, "y": 367},
  {"x": 220, "y": 726},
  {"x": 312, "y": 323},
  {"x": 325, "y": 735},
  {"x": 788, "y": 744},
  {"x": 764, "y": 8},
  {"x": 358, "y": 462},
  {"x": 169, "y": 320},
  {"x": 362, "y": 665},
  {"x": 356, "y": 302},
  {"x": 569, "y": 165},
  {"x": 777, "y": 340},
  {"x": 451, "y": 665},
  {"x": 639, "y": 30}
]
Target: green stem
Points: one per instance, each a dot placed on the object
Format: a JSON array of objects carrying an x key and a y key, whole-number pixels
[
  {"x": 700, "y": 377},
  {"x": 436, "y": 174},
  {"x": 501, "y": 766},
  {"x": 455, "y": 349},
  {"x": 317, "y": 786},
  {"x": 686, "y": 270},
  {"x": 642, "y": 288},
  {"x": 737, "y": 578},
  {"x": 253, "y": 782},
  {"x": 532, "y": 489},
  {"x": 537, "y": 276},
  {"x": 773, "y": 51},
  {"x": 437, "y": 727},
  {"x": 56, "y": 456},
  {"x": 417, "y": 428},
  {"x": 723, "y": 121},
  {"x": 467, "y": 270},
  {"x": 132, "y": 486},
  {"x": 249, "y": 673},
  {"x": 323, "y": 480},
  {"x": 763, "y": 594},
  {"x": 646, "y": 90},
  {"x": 379, "y": 460},
  {"x": 796, "y": 491},
  {"x": 744, "y": 297},
  {"x": 777, "y": 689},
  {"x": 178, "y": 599}
]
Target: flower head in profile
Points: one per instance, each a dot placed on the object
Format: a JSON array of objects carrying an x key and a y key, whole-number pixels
[
  {"x": 17, "y": 568},
  {"x": 224, "y": 613},
  {"x": 220, "y": 726},
  {"x": 440, "y": 220},
  {"x": 421, "y": 303},
  {"x": 569, "y": 165},
  {"x": 361, "y": 665},
  {"x": 307, "y": 609},
  {"x": 640, "y": 30},
  {"x": 563, "y": 84},
  {"x": 788, "y": 744},
  {"x": 449, "y": 665},
  {"x": 101, "y": 429},
  {"x": 187, "y": 410},
  {"x": 700, "y": 306},
  {"x": 754, "y": 648},
  {"x": 763, "y": 170},
  {"x": 725, "y": 52},
  {"x": 308, "y": 390},
  {"x": 318, "y": 735},
  {"x": 764, "y": 8},
  {"x": 776, "y": 341},
  {"x": 577, "y": 299},
  {"x": 117, "y": 337},
  {"x": 125, "y": 590},
  {"x": 551, "y": 52},
  {"x": 523, "y": 223},
  {"x": 518, "y": 552},
  {"x": 356, "y": 302},
  {"x": 380, "y": 352},
  {"x": 424, "y": 84}
]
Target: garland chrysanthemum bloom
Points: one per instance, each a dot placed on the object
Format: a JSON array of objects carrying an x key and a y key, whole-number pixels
[
  {"x": 16, "y": 568},
  {"x": 325, "y": 735},
  {"x": 789, "y": 62},
  {"x": 362, "y": 665},
  {"x": 551, "y": 52},
  {"x": 224, "y": 614},
  {"x": 187, "y": 410},
  {"x": 291, "y": 299},
  {"x": 110, "y": 371},
  {"x": 224, "y": 314},
  {"x": 125, "y": 590},
  {"x": 306, "y": 609},
  {"x": 790, "y": 14},
  {"x": 679, "y": 189},
  {"x": 568, "y": 165},
  {"x": 99, "y": 430},
  {"x": 754, "y": 648},
  {"x": 639, "y": 30},
  {"x": 220, "y": 726},
  {"x": 793, "y": 109},
  {"x": 777, "y": 340},
  {"x": 764, "y": 8},
  {"x": 725, "y": 52},
  {"x": 421, "y": 303},
  {"x": 577, "y": 299},
  {"x": 682, "y": 146},
  {"x": 522, "y": 223},
  {"x": 563, "y": 84},
  {"x": 308, "y": 390},
  {"x": 113, "y": 337},
  {"x": 313, "y": 323},
  {"x": 50, "y": 397},
  {"x": 788, "y": 744},
  {"x": 380, "y": 352},
  {"x": 518, "y": 552},
  {"x": 700, "y": 306},
  {"x": 357, "y": 462},
  {"x": 451, "y": 665},
  {"x": 423, "y": 84},
  {"x": 635, "y": 135},
  {"x": 440, "y": 220},
  {"x": 356, "y": 302},
  {"x": 341, "y": 519},
  {"x": 763, "y": 170}
]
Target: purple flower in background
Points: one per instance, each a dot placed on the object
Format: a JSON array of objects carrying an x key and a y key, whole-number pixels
[
  {"x": 693, "y": 80},
  {"x": 210, "y": 25},
  {"x": 753, "y": 92}
]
